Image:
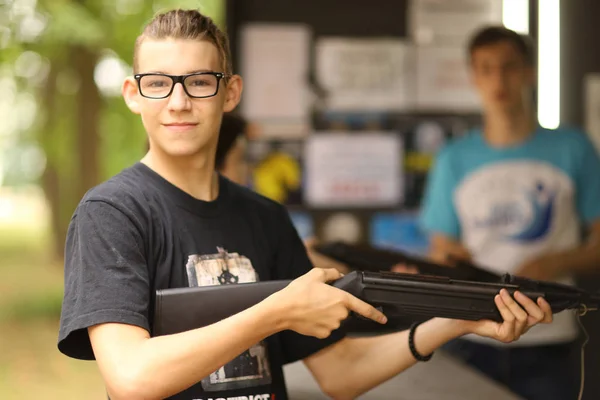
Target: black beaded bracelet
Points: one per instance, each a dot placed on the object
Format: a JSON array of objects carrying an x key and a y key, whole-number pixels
[{"x": 411, "y": 344}]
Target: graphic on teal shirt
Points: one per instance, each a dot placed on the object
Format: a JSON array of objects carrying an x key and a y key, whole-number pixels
[
  {"x": 542, "y": 215},
  {"x": 503, "y": 215}
]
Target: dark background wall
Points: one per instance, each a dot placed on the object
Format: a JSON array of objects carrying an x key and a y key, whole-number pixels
[
  {"x": 579, "y": 56},
  {"x": 361, "y": 19}
]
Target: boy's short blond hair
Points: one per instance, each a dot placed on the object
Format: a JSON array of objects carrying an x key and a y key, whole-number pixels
[{"x": 186, "y": 24}]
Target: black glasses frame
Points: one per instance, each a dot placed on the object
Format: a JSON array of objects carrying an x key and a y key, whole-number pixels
[{"x": 180, "y": 79}]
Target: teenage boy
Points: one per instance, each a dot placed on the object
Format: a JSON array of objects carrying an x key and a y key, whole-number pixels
[
  {"x": 171, "y": 221},
  {"x": 514, "y": 197}
]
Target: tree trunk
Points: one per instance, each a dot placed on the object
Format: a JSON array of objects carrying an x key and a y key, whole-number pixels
[
  {"x": 51, "y": 177},
  {"x": 89, "y": 104},
  {"x": 61, "y": 192}
]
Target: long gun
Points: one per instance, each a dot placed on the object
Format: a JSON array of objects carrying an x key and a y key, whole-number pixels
[
  {"x": 364, "y": 257},
  {"x": 397, "y": 295}
]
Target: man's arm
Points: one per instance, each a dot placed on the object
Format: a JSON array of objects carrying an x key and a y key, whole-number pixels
[
  {"x": 555, "y": 265},
  {"x": 443, "y": 250},
  {"x": 587, "y": 203},
  {"x": 135, "y": 366},
  {"x": 354, "y": 366},
  {"x": 588, "y": 255},
  {"x": 438, "y": 216}
]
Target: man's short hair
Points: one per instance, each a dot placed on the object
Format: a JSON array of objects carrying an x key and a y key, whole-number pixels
[
  {"x": 496, "y": 34},
  {"x": 186, "y": 24},
  {"x": 232, "y": 127}
]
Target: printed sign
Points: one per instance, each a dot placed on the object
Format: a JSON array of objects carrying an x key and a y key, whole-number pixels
[{"x": 362, "y": 170}]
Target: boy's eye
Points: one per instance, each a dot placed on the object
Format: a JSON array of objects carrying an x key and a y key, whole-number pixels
[
  {"x": 156, "y": 83},
  {"x": 198, "y": 82}
]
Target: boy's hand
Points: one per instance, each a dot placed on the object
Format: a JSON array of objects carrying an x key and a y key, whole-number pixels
[
  {"x": 519, "y": 316},
  {"x": 404, "y": 269},
  {"x": 312, "y": 307}
]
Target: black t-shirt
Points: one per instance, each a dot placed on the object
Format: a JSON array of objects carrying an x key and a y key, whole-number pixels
[{"x": 137, "y": 233}]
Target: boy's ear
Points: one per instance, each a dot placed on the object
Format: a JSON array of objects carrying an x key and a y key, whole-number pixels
[
  {"x": 131, "y": 95},
  {"x": 234, "y": 93}
]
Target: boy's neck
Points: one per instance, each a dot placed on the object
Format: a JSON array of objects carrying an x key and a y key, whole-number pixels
[
  {"x": 505, "y": 129},
  {"x": 195, "y": 175}
]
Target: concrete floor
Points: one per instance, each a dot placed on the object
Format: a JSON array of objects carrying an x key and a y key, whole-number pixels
[{"x": 441, "y": 378}]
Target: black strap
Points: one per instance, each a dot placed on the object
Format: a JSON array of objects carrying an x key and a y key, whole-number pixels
[{"x": 411, "y": 344}]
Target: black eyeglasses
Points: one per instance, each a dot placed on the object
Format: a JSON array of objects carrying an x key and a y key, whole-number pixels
[{"x": 196, "y": 85}]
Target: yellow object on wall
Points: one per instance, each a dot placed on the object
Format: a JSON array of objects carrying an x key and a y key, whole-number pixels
[{"x": 277, "y": 175}]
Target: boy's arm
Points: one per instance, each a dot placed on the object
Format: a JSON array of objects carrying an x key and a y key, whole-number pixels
[
  {"x": 587, "y": 256},
  {"x": 135, "y": 366},
  {"x": 587, "y": 201},
  {"x": 438, "y": 214},
  {"x": 556, "y": 265},
  {"x": 354, "y": 366}
]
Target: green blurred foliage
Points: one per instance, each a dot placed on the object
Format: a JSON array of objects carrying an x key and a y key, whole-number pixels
[
  {"x": 99, "y": 25},
  {"x": 40, "y": 82}
]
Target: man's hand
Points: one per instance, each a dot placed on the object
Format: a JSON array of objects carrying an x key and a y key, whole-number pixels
[
  {"x": 545, "y": 268},
  {"x": 518, "y": 317},
  {"x": 312, "y": 307},
  {"x": 404, "y": 269},
  {"x": 446, "y": 251}
]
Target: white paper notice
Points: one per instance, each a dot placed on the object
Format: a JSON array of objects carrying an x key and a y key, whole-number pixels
[
  {"x": 275, "y": 63},
  {"x": 365, "y": 74},
  {"x": 353, "y": 170},
  {"x": 443, "y": 81},
  {"x": 592, "y": 108},
  {"x": 445, "y": 22}
]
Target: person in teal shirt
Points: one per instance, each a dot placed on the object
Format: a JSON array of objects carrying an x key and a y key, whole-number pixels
[{"x": 515, "y": 197}]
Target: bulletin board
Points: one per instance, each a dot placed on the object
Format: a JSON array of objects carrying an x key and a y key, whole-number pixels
[{"x": 336, "y": 41}]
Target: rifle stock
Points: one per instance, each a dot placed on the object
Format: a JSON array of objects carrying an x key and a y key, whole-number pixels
[{"x": 182, "y": 309}]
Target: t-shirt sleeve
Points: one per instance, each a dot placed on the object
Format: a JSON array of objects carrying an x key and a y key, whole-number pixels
[
  {"x": 438, "y": 214},
  {"x": 292, "y": 261},
  {"x": 588, "y": 183},
  {"x": 106, "y": 275}
]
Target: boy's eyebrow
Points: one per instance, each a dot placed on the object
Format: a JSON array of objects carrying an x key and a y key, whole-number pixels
[{"x": 187, "y": 73}]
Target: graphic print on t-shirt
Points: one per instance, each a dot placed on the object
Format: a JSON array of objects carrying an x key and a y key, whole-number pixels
[
  {"x": 251, "y": 368},
  {"x": 515, "y": 210},
  {"x": 516, "y": 201},
  {"x": 531, "y": 213}
]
